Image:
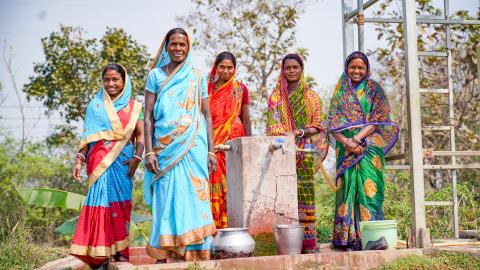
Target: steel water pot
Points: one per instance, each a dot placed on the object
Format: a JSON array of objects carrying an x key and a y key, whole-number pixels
[{"x": 232, "y": 243}]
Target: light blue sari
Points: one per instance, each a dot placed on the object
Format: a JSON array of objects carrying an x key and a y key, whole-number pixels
[{"x": 182, "y": 222}]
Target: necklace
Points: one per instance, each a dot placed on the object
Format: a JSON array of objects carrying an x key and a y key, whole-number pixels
[{"x": 168, "y": 70}]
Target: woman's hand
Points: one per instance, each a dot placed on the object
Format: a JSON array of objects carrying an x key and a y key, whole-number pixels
[
  {"x": 151, "y": 163},
  {"x": 212, "y": 163},
  {"x": 358, "y": 150},
  {"x": 77, "y": 168},
  {"x": 350, "y": 145},
  {"x": 132, "y": 166}
]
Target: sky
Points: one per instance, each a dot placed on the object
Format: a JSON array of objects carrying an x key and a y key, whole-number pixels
[{"x": 24, "y": 22}]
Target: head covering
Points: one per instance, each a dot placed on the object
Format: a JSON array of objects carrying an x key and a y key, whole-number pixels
[
  {"x": 101, "y": 121},
  {"x": 346, "y": 110},
  {"x": 301, "y": 109}
]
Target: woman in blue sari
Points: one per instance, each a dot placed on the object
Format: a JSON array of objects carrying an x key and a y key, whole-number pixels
[
  {"x": 111, "y": 146},
  {"x": 179, "y": 154}
]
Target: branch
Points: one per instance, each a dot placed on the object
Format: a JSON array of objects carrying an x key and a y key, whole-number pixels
[{"x": 8, "y": 64}]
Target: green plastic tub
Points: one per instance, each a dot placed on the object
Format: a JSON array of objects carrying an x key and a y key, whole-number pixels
[{"x": 373, "y": 230}]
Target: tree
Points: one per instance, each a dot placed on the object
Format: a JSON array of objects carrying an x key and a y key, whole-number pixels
[
  {"x": 70, "y": 75},
  {"x": 258, "y": 32}
]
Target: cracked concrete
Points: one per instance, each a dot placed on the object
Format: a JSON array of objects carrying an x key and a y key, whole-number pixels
[{"x": 261, "y": 183}]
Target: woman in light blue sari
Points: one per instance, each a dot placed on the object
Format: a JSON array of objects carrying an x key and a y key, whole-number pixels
[{"x": 179, "y": 154}]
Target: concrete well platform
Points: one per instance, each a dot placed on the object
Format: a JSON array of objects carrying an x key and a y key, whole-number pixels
[{"x": 323, "y": 260}]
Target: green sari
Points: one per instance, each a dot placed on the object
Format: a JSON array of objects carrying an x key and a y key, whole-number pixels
[{"x": 360, "y": 179}]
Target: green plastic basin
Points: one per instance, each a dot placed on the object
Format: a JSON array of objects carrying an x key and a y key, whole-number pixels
[{"x": 373, "y": 230}]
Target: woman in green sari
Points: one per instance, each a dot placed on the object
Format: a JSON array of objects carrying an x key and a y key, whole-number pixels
[{"x": 362, "y": 132}]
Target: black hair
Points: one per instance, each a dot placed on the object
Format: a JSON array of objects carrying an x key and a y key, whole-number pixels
[
  {"x": 116, "y": 67},
  {"x": 226, "y": 56},
  {"x": 293, "y": 56},
  {"x": 174, "y": 31}
]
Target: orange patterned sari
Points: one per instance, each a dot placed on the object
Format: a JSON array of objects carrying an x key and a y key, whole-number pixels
[{"x": 225, "y": 107}]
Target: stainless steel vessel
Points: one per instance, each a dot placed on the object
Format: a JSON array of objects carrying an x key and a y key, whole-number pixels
[
  {"x": 232, "y": 243},
  {"x": 289, "y": 238}
]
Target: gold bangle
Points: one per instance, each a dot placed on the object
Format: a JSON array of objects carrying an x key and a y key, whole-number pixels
[
  {"x": 213, "y": 154},
  {"x": 149, "y": 153}
]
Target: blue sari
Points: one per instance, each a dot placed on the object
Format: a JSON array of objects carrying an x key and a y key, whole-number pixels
[
  {"x": 182, "y": 223},
  {"x": 102, "y": 228}
]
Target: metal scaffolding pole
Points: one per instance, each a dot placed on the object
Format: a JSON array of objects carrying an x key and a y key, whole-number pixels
[
  {"x": 360, "y": 25},
  {"x": 347, "y": 28},
  {"x": 419, "y": 232}
]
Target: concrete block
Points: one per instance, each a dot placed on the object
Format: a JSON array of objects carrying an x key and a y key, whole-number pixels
[{"x": 261, "y": 183}]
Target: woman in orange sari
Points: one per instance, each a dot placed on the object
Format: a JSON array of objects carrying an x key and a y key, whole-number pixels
[{"x": 231, "y": 119}]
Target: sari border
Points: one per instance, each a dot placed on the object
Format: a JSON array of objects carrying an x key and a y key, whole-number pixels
[
  {"x": 187, "y": 238},
  {"x": 117, "y": 148},
  {"x": 99, "y": 251},
  {"x": 169, "y": 167},
  {"x": 189, "y": 255}
]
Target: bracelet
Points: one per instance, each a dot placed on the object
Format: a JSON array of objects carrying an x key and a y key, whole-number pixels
[
  {"x": 81, "y": 156},
  {"x": 149, "y": 153},
  {"x": 212, "y": 154},
  {"x": 356, "y": 139},
  {"x": 138, "y": 157},
  {"x": 303, "y": 132}
]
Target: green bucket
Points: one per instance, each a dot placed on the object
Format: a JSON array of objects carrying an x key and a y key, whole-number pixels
[{"x": 373, "y": 230}]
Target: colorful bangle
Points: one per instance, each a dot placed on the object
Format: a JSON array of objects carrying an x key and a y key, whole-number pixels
[
  {"x": 356, "y": 139},
  {"x": 137, "y": 157},
  {"x": 212, "y": 154}
]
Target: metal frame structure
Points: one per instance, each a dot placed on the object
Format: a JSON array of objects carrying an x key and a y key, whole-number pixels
[{"x": 416, "y": 165}]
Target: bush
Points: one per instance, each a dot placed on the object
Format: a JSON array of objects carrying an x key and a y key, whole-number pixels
[{"x": 19, "y": 252}]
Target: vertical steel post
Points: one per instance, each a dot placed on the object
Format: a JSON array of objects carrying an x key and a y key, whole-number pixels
[
  {"x": 360, "y": 25},
  {"x": 347, "y": 28},
  {"x": 414, "y": 123},
  {"x": 451, "y": 114}
]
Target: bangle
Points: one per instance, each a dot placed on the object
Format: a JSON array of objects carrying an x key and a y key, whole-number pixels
[
  {"x": 356, "y": 139},
  {"x": 137, "y": 157},
  {"x": 149, "y": 153},
  {"x": 212, "y": 154},
  {"x": 80, "y": 155},
  {"x": 303, "y": 132}
]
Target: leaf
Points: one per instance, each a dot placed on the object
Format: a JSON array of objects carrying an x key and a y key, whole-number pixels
[
  {"x": 68, "y": 227},
  {"x": 51, "y": 198}
]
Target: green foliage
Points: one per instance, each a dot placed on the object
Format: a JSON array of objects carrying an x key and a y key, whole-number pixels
[
  {"x": 17, "y": 251},
  {"x": 46, "y": 197},
  {"x": 436, "y": 260},
  {"x": 71, "y": 73},
  {"x": 397, "y": 204},
  {"x": 36, "y": 166},
  {"x": 325, "y": 210}
]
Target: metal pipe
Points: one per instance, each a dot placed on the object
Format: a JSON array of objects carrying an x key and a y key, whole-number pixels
[
  {"x": 451, "y": 113},
  {"x": 414, "y": 123},
  {"x": 223, "y": 147},
  {"x": 360, "y": 25},
  {"x": 352, "y": 14},
  {"x": 423, "y": 20},
  {"x": 347, "y": 29}
]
